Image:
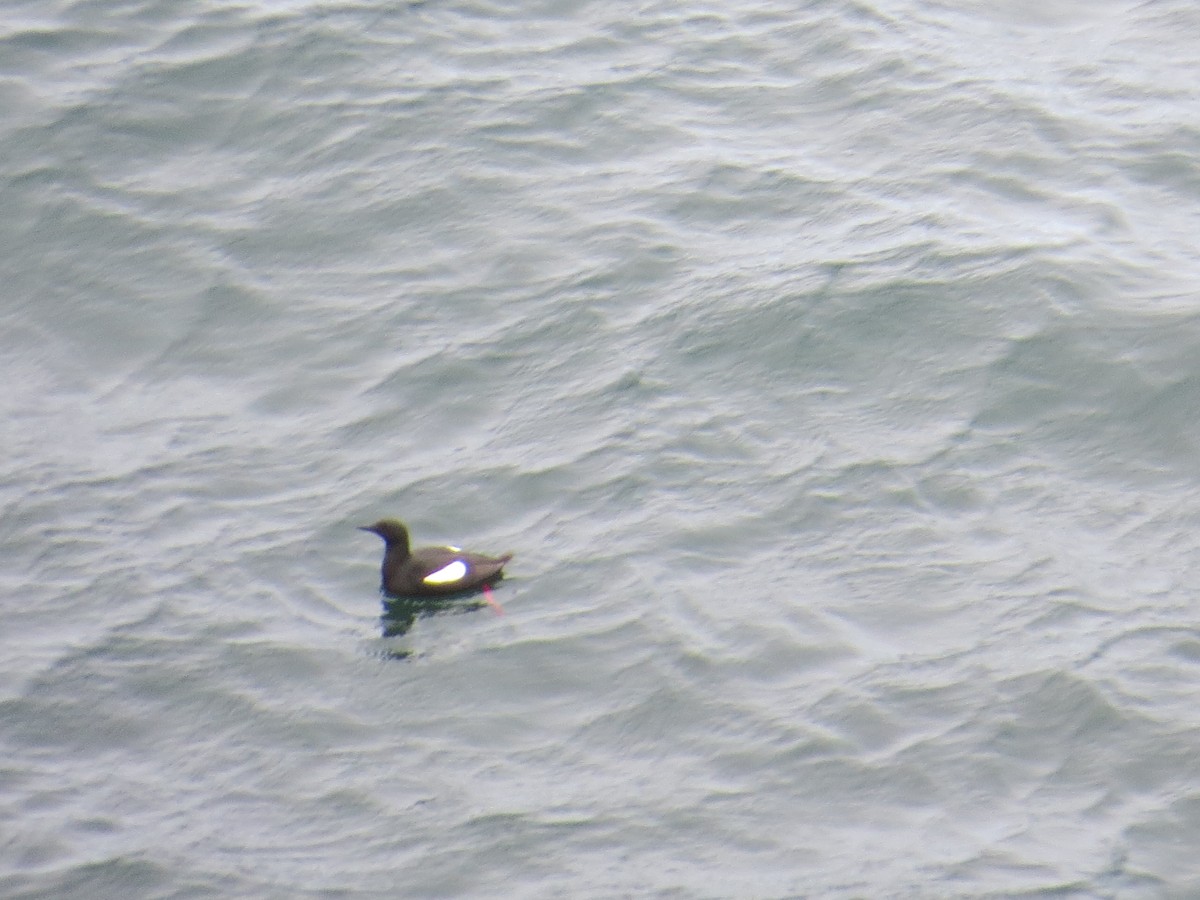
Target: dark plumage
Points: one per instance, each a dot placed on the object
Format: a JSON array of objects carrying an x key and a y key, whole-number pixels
[{"x": 431, "y": 571}]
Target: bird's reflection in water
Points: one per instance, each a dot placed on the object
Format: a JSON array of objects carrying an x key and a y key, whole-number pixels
[{"x": 400, "y": 613}]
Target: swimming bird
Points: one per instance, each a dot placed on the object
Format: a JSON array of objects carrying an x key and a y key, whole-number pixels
[{"x": 431, "y": 571}]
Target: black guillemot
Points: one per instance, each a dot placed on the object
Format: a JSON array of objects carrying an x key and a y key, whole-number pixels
[{"x": 431, "y": 571}]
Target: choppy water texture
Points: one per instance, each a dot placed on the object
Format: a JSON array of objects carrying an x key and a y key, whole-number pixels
[{"x": 831, "y": 368}]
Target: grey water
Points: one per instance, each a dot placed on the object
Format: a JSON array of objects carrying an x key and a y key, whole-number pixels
[{"x": 831, "y": 369}]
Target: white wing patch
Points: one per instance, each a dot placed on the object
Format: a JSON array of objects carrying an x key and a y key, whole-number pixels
[{"x": 447, "y": 574}]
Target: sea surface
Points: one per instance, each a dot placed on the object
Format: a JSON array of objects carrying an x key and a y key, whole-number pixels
[{"x": 831, "y": 368}]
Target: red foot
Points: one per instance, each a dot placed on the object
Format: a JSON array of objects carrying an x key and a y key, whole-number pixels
[{"x": 487, "y": 594}]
